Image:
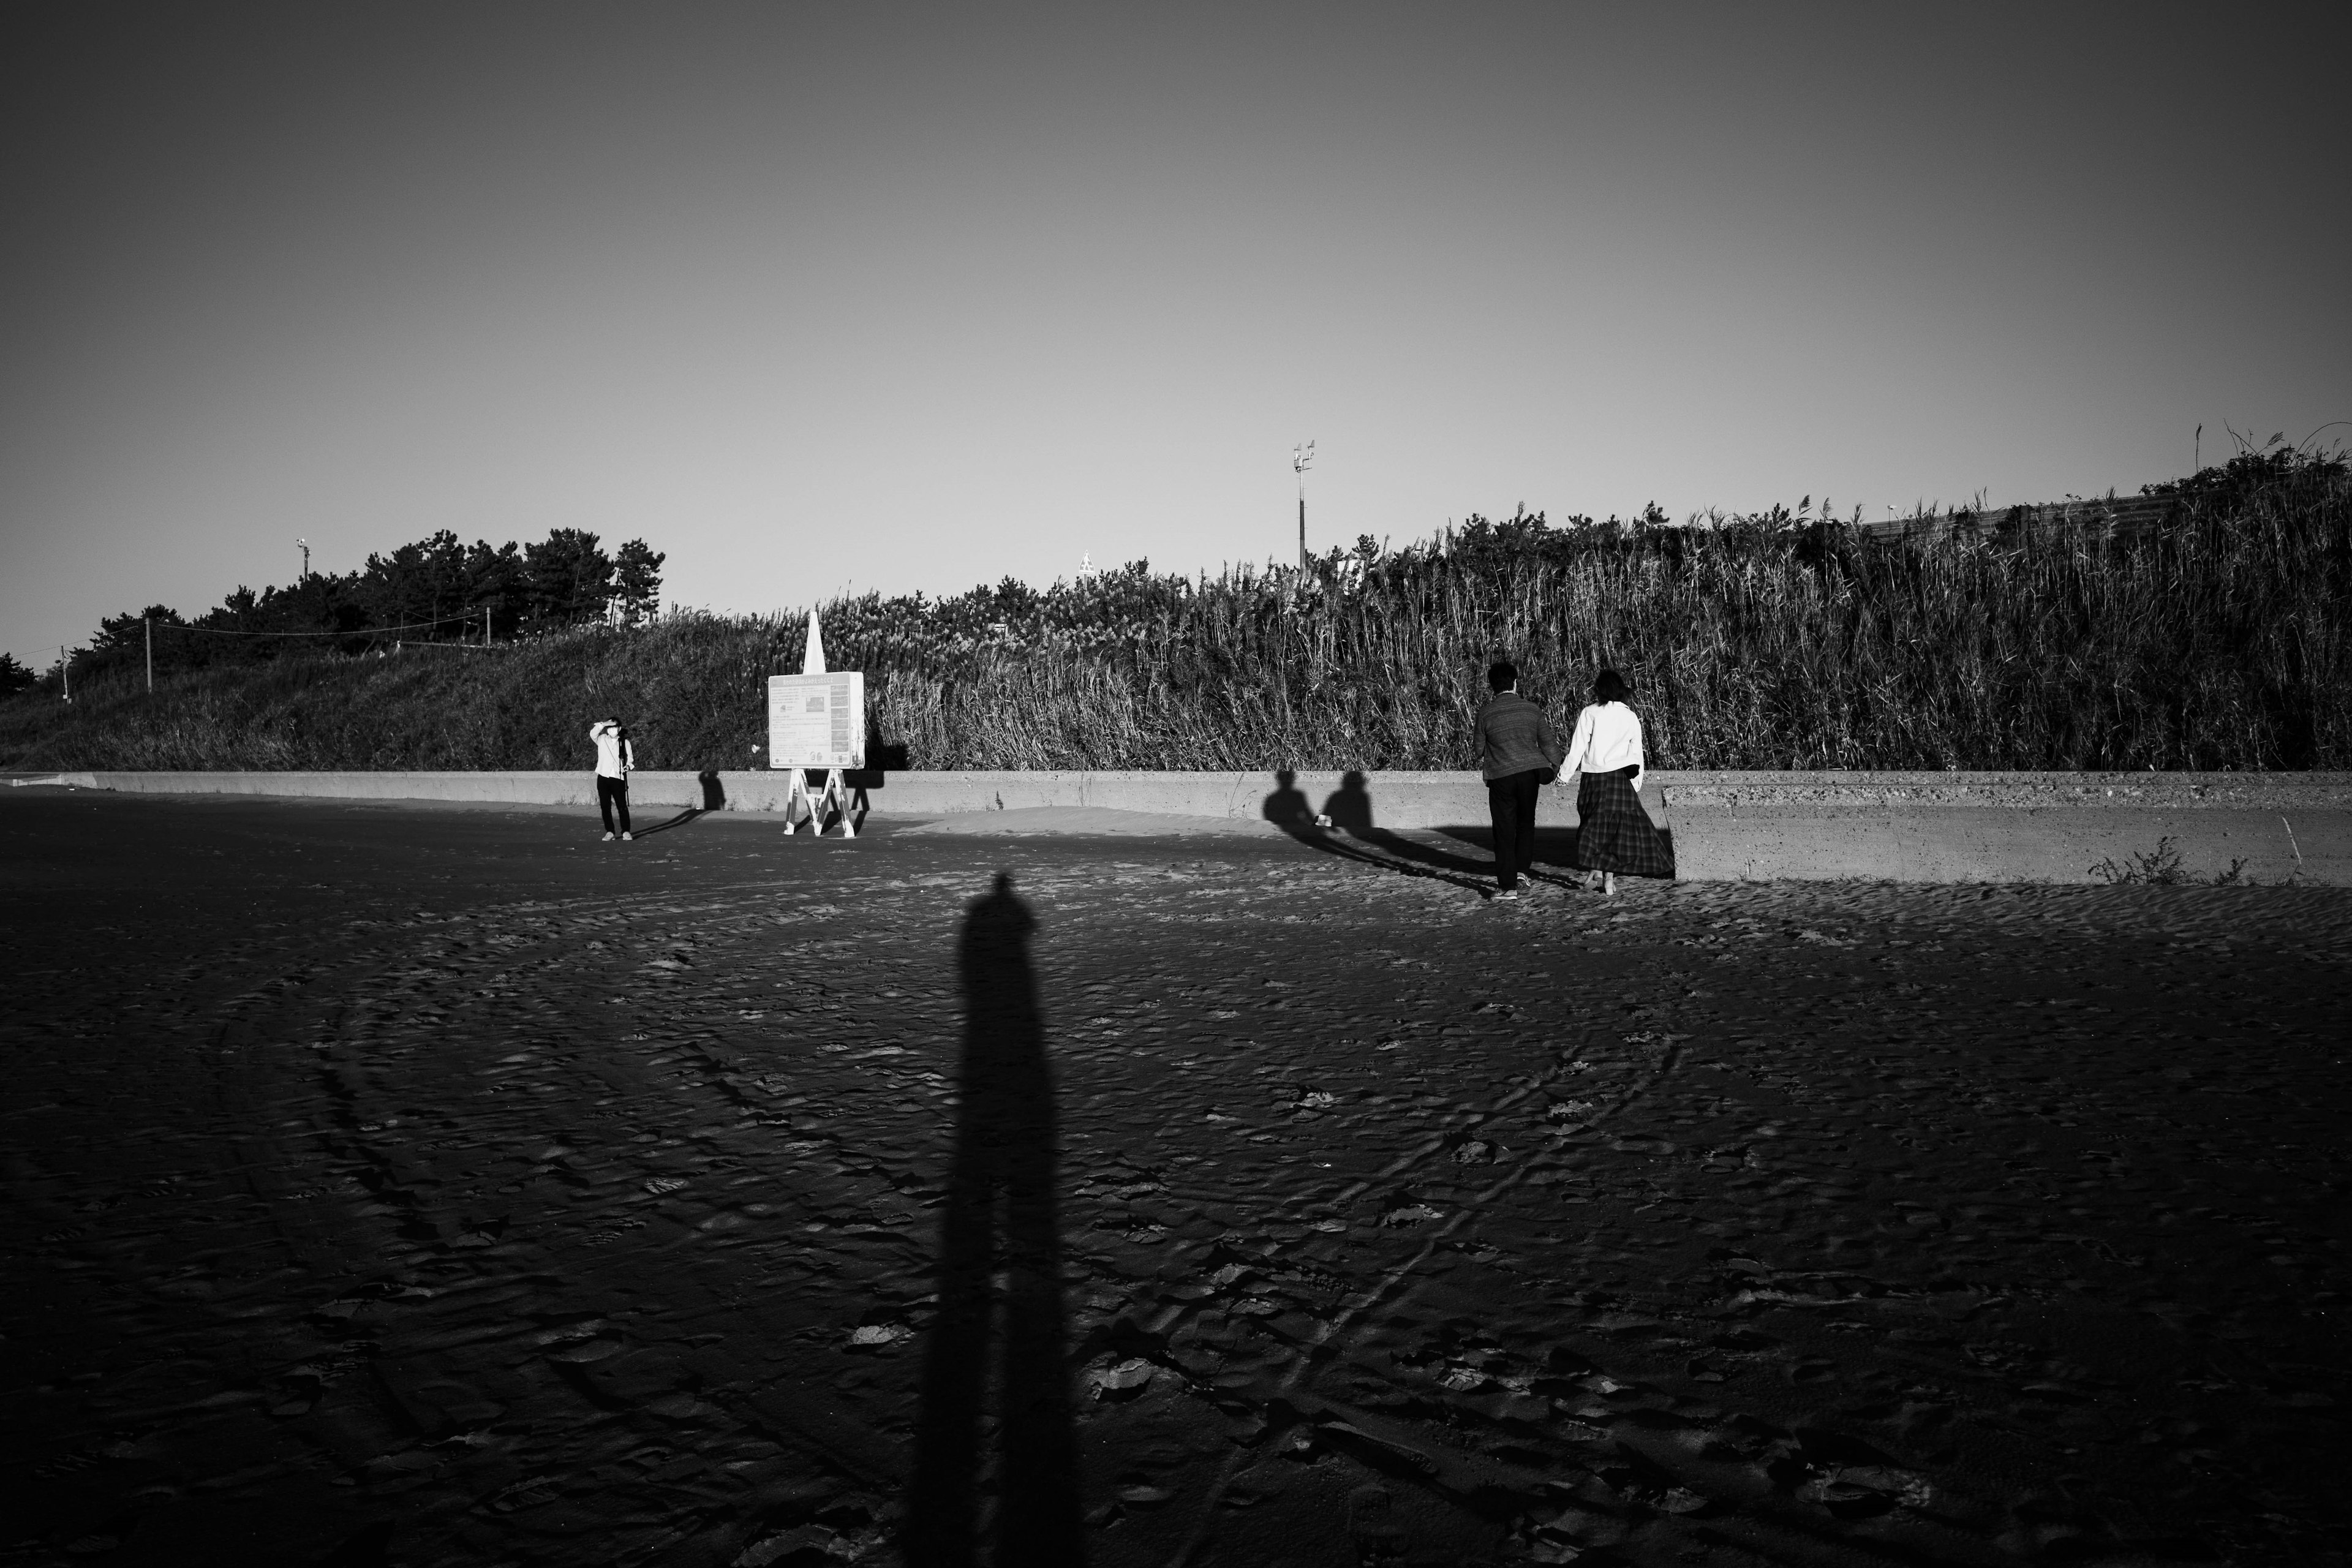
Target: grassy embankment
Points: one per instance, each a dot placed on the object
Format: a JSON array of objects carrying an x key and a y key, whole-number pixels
[{"x": 2220, "y": 637}]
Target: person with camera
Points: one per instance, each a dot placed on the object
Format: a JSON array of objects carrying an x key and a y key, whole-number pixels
[{"x": 616, "y": 758}]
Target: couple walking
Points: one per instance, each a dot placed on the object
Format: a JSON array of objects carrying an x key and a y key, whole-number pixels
[{"x": 1519, "y": 751}]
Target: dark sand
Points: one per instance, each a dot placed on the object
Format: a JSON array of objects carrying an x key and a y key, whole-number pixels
[{"x": 394, "y": 1186}]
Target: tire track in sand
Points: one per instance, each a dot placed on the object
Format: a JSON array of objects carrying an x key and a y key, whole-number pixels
[{"x": 1344, "y": 1331}]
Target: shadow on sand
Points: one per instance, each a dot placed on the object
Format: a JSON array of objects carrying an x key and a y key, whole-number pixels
[
  {"x": 1349, "y": 809},
  {"x": 998, "y": 1329},
  {"x": 1554, "y": 846},
  {"x": 714, "y": 798}
]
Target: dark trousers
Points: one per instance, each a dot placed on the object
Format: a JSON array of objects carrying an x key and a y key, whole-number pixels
[
  {"x": 1511, "y": 804},
  {"x": 613, "y": 795}
]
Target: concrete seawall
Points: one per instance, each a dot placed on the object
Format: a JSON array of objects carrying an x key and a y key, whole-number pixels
[{"x": 1937, "y": 827}]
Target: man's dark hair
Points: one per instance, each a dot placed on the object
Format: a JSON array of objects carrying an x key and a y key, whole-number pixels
[
  {"x": 1502, "y": 677},
  {"x": 1609, "y": 687}
]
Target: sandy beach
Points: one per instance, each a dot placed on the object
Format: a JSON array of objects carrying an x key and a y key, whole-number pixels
[{"x": 398, "y": 1185}]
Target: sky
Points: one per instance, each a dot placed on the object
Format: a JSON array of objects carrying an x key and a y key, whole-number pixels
[{"x": 910, "y": 296}]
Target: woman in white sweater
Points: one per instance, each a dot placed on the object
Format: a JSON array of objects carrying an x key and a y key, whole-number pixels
[
  {"x": 1614, "y": 834},
  {"x": 616, "y": 760}
]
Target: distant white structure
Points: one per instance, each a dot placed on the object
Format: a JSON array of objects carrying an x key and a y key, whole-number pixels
[
  {"x": 1086, "y": 564},
  {"x": 817, "y": 720}
]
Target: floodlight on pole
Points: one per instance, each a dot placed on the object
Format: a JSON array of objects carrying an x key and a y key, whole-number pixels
[
  {"x": 305, "y": 545},
  {"x": 1301, "y": 459}
]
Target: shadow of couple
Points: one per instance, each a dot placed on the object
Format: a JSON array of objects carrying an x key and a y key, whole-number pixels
[{"x": 1349, "y": 811}]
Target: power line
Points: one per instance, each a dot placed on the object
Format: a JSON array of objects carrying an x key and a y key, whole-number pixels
[{"x": 354, "y": 632}]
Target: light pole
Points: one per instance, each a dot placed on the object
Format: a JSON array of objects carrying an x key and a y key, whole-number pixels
[
  {"x": 306, "y": 558},
  {"x": 1301, "y": 459}
]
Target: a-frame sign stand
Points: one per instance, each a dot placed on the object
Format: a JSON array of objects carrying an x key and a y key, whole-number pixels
[{"x": 834, "y": 792}]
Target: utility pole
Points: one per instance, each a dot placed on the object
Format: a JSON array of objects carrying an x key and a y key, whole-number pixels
[
  {"x": 306, "y": 558},
  {"x": 151, "y": 654},
  {"x": 65, "y": 672},
  {"x": 1301, "y": 459}
]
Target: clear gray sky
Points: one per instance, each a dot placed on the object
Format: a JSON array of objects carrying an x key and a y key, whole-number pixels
[{"x": 920, "y": 296}]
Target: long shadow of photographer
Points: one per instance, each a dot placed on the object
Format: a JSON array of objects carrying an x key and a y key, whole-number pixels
[
  {"x": 1349, "y": 810},
  {"x": 998, "y": 1326}
]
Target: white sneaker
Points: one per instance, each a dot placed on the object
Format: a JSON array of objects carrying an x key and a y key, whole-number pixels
[
  {"x": 1507, "y": 896},
  {"x": 608, "y": 838},
  {"x": 628, "y": 838}
]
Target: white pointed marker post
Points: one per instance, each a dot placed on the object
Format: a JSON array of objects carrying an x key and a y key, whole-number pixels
[{"x": 817, "y": 720}]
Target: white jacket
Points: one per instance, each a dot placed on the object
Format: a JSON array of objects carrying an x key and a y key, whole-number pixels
[
  {"x": 614, "y": 755},
  {"x": 1608, "y": 737}
]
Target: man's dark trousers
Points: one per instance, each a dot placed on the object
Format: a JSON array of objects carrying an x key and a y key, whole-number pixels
[
  {"x": 1511, "y": 804},
  {"x": 613, "y": 793}
]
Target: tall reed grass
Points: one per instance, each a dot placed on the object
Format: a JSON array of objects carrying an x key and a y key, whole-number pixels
[{"x": 2218, "y": 636}]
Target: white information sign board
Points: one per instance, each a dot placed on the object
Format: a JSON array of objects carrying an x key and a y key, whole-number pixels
[{"x": 817, "y": 721}]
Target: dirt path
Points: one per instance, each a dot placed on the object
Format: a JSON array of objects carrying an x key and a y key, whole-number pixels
[{"x": 389, "y": 1185}]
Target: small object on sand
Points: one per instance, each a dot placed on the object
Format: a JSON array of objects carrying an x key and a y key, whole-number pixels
[{"x": 1124, "y": 1378}]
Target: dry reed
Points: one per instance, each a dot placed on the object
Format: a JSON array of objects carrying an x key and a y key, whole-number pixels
[{"x": 2215, "y": 636}]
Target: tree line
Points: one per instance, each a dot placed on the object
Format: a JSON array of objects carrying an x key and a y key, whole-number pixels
[{"x": 437, "y": 590}]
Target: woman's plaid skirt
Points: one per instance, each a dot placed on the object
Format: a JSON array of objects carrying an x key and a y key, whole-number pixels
[{"x": 1612, "y": 831}]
